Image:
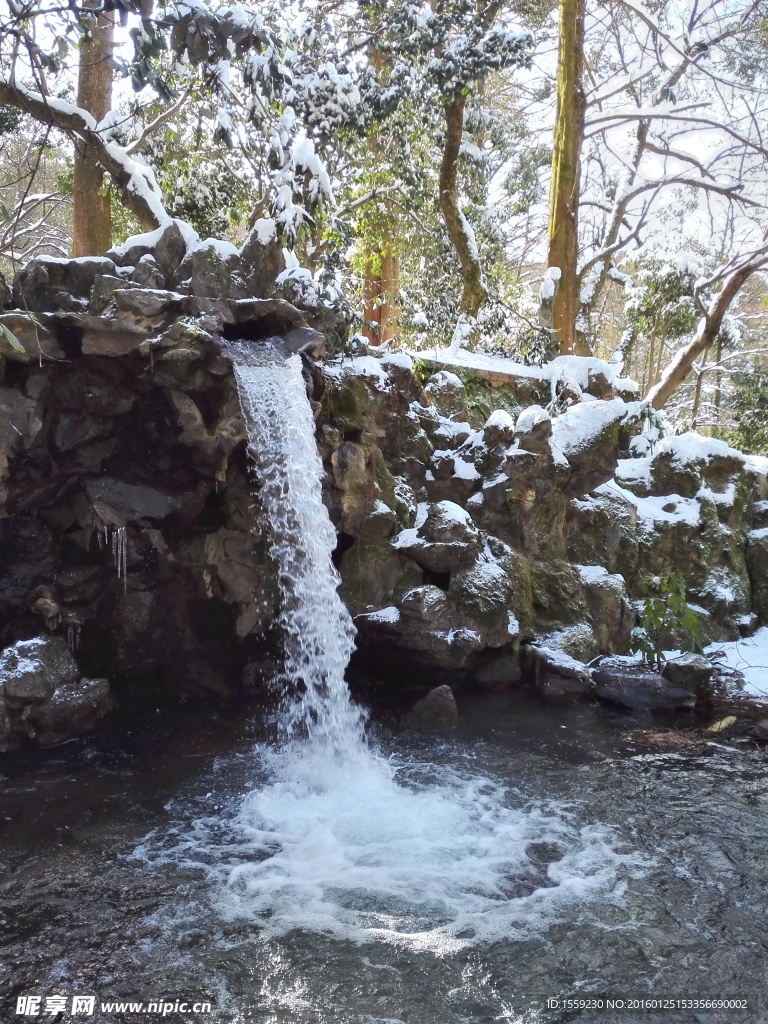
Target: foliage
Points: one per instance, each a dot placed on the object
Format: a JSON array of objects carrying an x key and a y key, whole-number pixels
[
  {"x": 667, "y": 620},
  {"x": 749, "y": 406}
]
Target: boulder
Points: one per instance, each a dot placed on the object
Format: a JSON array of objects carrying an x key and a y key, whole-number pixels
[
  {"x": 610, "y": 611},
  {"x": 72, "y": 710},
  {"x": 757, "y": 566},
  {"x": 148, "y": 273},
  {"x": 443, "y": 539},
  {"x": 690, "y": 671},
  {"x": 262, "y": 258},
  {"x": 117, "y": 503},
  {"x": 445, "y": 392},
  {"x": 48, "y": 283},
  {"x": 435, "y": 712},
  {"x": 587, "y": 434},
  {"x": 32, "y": 670},
  {"x": 631, "y": 684},
  {"x": 533, "y": 430},
  {"x": 498, "y": 429},
  {"x": 213, "y": 269},
  {"x": 36, "y": 340},
  {"x": 557, "y": 676}
]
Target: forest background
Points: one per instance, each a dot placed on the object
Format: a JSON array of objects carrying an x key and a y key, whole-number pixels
[{"x": 524, "y": 178}]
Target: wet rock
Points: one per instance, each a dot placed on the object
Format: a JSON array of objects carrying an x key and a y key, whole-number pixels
[
  {"x": 690, "y": 671},
  {"x": 633, "y": 685},
  {"x": 435, "y": 712},
  {"x": 6, "y": 728},
  {"x": 557, "y": 675},
  {"x": 760, "y": 730},
  {"x": 72, "y": 710},
  {"x": 105, "y": 335},
  {"x": 31, "y": 670},
  {"x": 21, "y": 421},
  {"x": 126, "y": 502}
]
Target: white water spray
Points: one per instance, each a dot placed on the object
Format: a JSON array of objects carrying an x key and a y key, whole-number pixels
[
  {"x": 318, "y": 633},
  {"x": 336, "y": 839}
]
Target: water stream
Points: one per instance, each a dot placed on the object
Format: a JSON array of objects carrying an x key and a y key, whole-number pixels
[{"x": 312, "y": 869}]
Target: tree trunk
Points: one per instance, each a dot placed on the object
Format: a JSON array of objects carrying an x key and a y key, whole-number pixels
[
  {"x": 566, "y": 172},
  {"x": 706, "y": 335},
  {"x": 474, "y": 290},
  {"x": 92, "y": 227},
  {"x": 380, "y": 293}
]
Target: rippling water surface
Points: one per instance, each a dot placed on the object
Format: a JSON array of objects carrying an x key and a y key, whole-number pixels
[{"x": 534, "y": 853}]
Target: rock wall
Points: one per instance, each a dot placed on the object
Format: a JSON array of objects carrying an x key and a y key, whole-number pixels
[
  {"x": 479, "y": 506},
  {"x": 462, "y": 538}
]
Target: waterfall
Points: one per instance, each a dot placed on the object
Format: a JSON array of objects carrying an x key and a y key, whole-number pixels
[
  {"x": 334, "y": 837},
  {"x": 318, "y": 633}
]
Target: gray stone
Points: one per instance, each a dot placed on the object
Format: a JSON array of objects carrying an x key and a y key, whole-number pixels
[
  {"x": 146, "y": 302},
  {"x": 445, "y": 540},
  {"x": 31, "y": 670},
  {"x": 72, "y": 710},
  {"x": 498, "y": 429},
  {"x": 36, "y": 340},
  {"x": 428, "y": 603},
  {"x": 117, "y": 503},
  {"x": 147, "y": 273},
  {"x": 262, "y": 262},
  {"x": 435, "y": 712},
  {"x": 169, "y": 252},
  {"x": 691, "y": 671},
  {"x": 21, "y": 421},
  {"x": 447, "y": 394},
  {"x": 212, "y": 271},
  {"x": 6, "y": 296},
  {"x": 47, "y": 283},
  {"x": 533, "y": 430},
  {"x": 760, "y": 730},
  {"x": 483, "y": 590},
  {"x": 633, "y": 685},
  {"x": 557, "y": 675}
]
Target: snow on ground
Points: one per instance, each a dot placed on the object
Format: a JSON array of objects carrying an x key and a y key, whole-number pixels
[{"x": 750, "y": 656}]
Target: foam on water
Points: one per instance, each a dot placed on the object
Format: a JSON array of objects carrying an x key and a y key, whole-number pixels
[{"x": 337, "y": 839}]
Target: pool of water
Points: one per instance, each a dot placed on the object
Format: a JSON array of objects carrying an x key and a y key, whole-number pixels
[{"x": 534, "y": 854}]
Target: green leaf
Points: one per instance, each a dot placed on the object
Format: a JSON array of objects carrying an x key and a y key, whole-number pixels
[{"x": 11, "y": 338}]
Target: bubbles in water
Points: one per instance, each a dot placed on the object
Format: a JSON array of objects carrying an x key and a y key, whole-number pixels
[
  {"x": 338, "y": 840},
  {"x": 424, "y": 856}
]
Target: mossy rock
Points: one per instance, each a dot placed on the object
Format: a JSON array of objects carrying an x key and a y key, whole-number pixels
[{"x": 372, "y": 575}]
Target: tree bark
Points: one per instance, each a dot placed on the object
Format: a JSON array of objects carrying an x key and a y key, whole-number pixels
[
  {"x": 92, "y": 215},
  {"x": 474, "y": 290},
  {"x": 706, "y": 334},
  {"x": 566, "y": 173},
  {"x": 139, "y": 193}
]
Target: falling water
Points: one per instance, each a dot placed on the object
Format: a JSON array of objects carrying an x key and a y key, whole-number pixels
[
  {"x": 318, "y": 633},
  {"x": 334, "y": 837}
]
